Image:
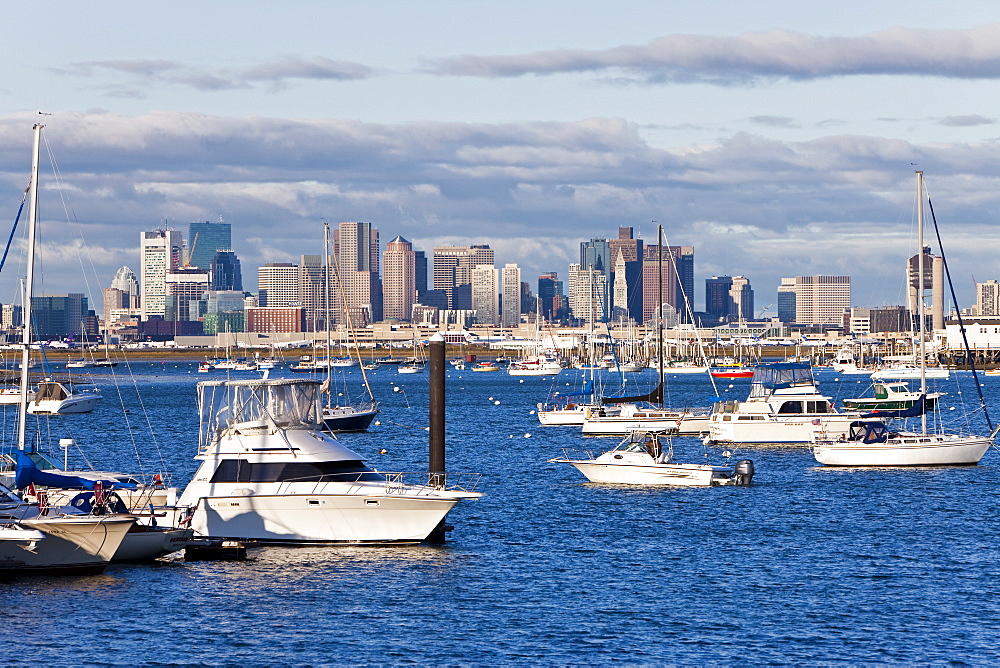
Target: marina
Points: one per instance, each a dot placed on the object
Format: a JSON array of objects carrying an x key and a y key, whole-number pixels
[{"x": 547, "y": 568}]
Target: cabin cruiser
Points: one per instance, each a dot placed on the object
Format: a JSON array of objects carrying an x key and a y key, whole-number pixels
[
  {"x": 53, "y": 397},
  {"x": 784, "y": 406},
  {"x": 624, "y": 418},
  {"x": 269, "y": 473}
]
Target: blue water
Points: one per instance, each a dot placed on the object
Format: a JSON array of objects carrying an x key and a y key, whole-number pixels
[{"x": 808, "y": 565}]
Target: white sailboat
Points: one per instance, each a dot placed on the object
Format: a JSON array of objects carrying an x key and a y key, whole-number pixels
[
  {"x": 874, "y": 443},
  {"x": 31, "y": 543}
]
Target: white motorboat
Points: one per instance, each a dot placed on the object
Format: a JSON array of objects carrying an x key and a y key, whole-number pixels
[
  {"x": 784, "y": 406},
  {"x": 910, "y": 372},
  {"x": 646, "y": 458},
  {"x": 409, "y": 368},
  {"x": 53, "y": 398},
  {"x": 875, "y": 444},
  {"x": 61, "y": 545},
  {"x": 536, "y": 366},
  {"x": 269, "y": 473}
]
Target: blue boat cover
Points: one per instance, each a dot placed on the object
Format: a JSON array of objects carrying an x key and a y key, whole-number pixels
[
  {"x": 782, "y": 374},
  {"x": 27, "y": 473}
]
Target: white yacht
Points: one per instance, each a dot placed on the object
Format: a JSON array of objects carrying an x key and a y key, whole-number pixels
[
  {"x": 784, "y": 406},
  {"x": 646, "y": 458},
  {"x": 269, "y": 473}
]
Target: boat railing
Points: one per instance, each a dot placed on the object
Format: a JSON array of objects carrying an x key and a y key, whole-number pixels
[
  {"x": 579, "y": 454},
  {"x": 397, "y": 482}
]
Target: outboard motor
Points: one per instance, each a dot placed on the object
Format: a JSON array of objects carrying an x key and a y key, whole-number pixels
[{"x": 743, "y": 472}]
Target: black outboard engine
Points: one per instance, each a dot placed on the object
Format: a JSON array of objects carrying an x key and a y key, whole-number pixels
[{"x": 743, "y": 472}]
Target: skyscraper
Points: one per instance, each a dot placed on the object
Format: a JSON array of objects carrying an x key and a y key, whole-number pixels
[
  {"x": 205, "y": 240},
  {"x": 485, "y": 297},
  {"x": 161, "y": 254},
  {"x": 184, "y": 286},
  {"x": 786, "y": 300},
  {"x": 549, "y": 287},
  {"x": 126, "y": 281},
  {"x": 225, "y": 271},
  {"x": 933, "y": 281},
  {"x": 399, "y": 280},
  {"x": 356, "y": 253},
  {"x": 988, "y": 298},
  {"x": 626, "y": 277},
  {"x": 511, "y": 287},
  {"x": 588, "y": 294},
  {"x": 653, "y": 285},
  {"x": 741, "y": 299},
  {"x": 453, "y": 267}
]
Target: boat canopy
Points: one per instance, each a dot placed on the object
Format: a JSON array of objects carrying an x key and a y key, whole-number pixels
[
  {"x": 28, "y": 473},
  {"x": 290, "y": 403},
  {"x": 778, "y": 375}
]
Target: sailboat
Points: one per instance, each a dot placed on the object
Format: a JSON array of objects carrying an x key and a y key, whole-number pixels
[
  {"x": 338, "y": 416},
  {"x": 873, "y": 443},
  {"x": 63, "y": 543},
  {"x": 642, "y": 458}
]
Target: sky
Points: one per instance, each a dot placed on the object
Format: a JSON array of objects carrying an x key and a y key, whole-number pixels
[{"x": 777, "y": 138}]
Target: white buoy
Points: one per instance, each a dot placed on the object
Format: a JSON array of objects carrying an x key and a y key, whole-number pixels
[
  {"x": 527, "y": 435},
  {"x": 521, "y": 380},
  {"x": 730, "y": 385},
  {"x": 531, "y": 412},
  {"x": 496, "y": 403}
]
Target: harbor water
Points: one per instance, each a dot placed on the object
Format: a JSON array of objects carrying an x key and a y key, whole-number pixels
[{"x": 807, "y": 565}]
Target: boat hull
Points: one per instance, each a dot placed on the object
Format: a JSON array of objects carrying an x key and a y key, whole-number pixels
[
  {"x": 74, "y": 404},
  {"x": 321, "y": 518},
  {"x": 344, "y": 419},
  {"x": 144, "y": 543},
  {"x": 678, "y": 475},
  {"x": 68, "y": 545}
]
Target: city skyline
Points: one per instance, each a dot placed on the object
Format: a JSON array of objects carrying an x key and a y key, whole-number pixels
[{"x": 778, "y": 138}]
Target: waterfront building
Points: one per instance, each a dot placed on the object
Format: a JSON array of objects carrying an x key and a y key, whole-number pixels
[
  {"x": 822, "y": 300},
  {"x": 741, "y": 299},
  {"x": 485, "y": 298},
  {"x": 988, "y": 298},
  {"x": 161, "y": 253},
  {"x": 206, "y": 239},
  {"x": 882, "y": 320},
  {"x": 276, "y": 319},
  {"x": 399, "y": 281},
  {"x": 452, "y": 268},
  {"x": 933, "y": 280},
  {"x": 512, "y": 305}
]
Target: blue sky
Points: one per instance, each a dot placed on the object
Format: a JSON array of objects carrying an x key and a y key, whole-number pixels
[{"x": 778, "y": 138}]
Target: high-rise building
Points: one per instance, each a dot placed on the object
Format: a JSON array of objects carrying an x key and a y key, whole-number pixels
[
  {"x": 933, "y": 281},
  {"x": 311, "y": 285},
  {"x": 161, "y": 254},
  {"x": 510, "y": 281},
  {"x": 822, "y": 300},
  {"x": 666, "y": 284},
  {"x": 453, "y": 267},
  {"x": 399, "y": 280},
  {"x": 626, "y": 266},
  {"x": 718, "y": 295},
  {"x": 225, "y": 271},
  {"x": 485, "y": 297},
  {"x": 356, "y": 249},
  {"x": 596, "y": 254},
  {"x": 61, "y": 315},
  {"x": 741, "y": 299},
  {"x": 205, "y": 240},
  {"x": 278, "y": 285},
  {"x": 549, "y": 287},
  {"x": 786, "y": 300},
  {"x": 588, "y": 294},
  {"x": 126, "y": 282},
  {"x": 184, "y": 288},
  {"x": 988, "y": 298}
]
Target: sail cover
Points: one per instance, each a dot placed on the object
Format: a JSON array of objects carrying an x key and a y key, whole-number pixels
[{"x": 656, "y": 397}]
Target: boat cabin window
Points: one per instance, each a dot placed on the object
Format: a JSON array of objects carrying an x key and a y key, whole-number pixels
[
  {"x": 240, "y": 470},
  {"x": 793, "y": 407},
  {"x": 790, "y": 407}
]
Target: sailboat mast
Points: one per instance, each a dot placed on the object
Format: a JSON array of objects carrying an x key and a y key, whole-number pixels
[
  {"x": 920, "y": 294},
  {"x": 659, "y": 301},
  {"x": 28, "y": 288},
  {"x": 326, "y": 305}
]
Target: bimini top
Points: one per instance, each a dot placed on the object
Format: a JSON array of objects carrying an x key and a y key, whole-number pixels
[
  {"x": 778, "y": 375},
  {"x": 292, "y": 403}
]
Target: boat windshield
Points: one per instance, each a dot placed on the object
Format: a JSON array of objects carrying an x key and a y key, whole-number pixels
[
  {"x": 288, "y": 403},
  {"x": 770, "y": 377}
]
